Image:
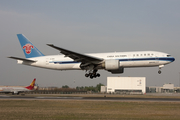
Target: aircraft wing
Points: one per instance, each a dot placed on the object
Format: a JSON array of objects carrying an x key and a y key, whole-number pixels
[
  {"x": 77, "y": 56},
  {"x": 23, "y": 59}
]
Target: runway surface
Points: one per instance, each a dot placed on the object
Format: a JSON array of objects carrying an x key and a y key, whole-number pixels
[{"x": 18, "y": 97}]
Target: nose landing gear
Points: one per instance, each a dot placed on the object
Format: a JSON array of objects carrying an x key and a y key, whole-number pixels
[
  {"x": 159, "y": 71},
  {"x": 160, "y": 66}
]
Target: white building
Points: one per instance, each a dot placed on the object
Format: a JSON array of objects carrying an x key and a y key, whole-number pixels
[
  {"x": 103, "y": 89},
  {"x": 126, "y": 84},
  {"x": 168, "y": 86}
]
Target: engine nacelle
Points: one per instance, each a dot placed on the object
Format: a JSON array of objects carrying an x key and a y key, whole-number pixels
[
  {"x": 120, "y": 70},
  {"x": 112, "y": 64}
]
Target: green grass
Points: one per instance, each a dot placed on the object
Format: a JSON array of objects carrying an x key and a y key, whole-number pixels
[
  {"x": 102, "y": 95},
  {"x": 87, "y": 110}
]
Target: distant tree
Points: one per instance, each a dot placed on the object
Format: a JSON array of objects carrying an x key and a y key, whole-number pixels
[
  {"x": 77, "y": 88},
  {"x": 80, "y": 88},
  {"x": 90, "y": 88},
  {"x": 66, "y": 86},
  {"x": 98, "y": 86}
]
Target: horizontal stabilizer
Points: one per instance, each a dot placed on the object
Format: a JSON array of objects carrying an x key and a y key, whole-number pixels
[{"x": 23, "y": 59}]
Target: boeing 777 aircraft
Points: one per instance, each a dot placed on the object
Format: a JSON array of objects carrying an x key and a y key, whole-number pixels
[
  {"x": 16, "y": 89},
  {"x": 114, "y": 62}
]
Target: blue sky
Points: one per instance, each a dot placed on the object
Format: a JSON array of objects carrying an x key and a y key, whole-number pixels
[{"x": 88, "y": 26}]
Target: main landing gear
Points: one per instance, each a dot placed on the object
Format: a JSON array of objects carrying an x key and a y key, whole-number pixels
[{"x": 92, "y": 74}]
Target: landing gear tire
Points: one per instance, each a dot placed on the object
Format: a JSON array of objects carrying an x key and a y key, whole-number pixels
[
  {"x": 86, "y": 75},
  {"x": 94, "y": 75},
  {"x": 91, "y": 77},
  {"x": 98, "y": 75},
  {"x": 159, "y": 72}
]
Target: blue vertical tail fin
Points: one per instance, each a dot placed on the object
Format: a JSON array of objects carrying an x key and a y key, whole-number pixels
[{"x": 28, "y": 48}]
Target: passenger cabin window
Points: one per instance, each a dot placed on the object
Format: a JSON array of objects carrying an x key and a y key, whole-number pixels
[
  {"x": 144, "y": 54},
  {"x": 168, "y": 55}
]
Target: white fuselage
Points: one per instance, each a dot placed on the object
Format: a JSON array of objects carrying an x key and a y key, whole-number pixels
[
  {"x": 126, "y": 59},
  {"x": 13, "y": 89}
]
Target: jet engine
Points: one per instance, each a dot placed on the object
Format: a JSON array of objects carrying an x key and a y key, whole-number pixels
[{"x": 113, "y": 66}]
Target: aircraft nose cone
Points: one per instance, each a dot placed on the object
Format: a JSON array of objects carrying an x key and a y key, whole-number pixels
[{"x": 173, "y": 59}]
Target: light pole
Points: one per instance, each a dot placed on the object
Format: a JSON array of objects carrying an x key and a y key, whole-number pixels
[
  {"x": 74, "y": 85},
  {"x": 179, "y": 79}
]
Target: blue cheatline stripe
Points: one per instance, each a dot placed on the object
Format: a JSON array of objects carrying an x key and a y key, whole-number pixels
[
  {"x": 64, "y": 62},
  {"x": 170, "y": 59}
]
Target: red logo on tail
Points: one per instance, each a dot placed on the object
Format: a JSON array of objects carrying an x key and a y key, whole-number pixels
[
  {"x": 28, "y": 48},
  {"x": 31, "y": 86}
]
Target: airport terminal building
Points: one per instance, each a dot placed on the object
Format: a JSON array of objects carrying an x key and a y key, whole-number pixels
[
  {"x": 135, "y": 85},
  {"x": 125, "y": 85},
  {"x": 166, "y": 88}
]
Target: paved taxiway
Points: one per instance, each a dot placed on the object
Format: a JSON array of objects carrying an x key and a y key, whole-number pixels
[{"x": 18, "y": 97}]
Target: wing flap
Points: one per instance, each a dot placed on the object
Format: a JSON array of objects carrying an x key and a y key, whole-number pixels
[{"x": 77, "y": 56}]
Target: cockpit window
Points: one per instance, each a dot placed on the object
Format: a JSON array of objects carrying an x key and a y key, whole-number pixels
[{"x": 168, "y": 55}]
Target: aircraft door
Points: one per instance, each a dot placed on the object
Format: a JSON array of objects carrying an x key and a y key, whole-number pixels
[
  {"x": 156, "y": 59},
  {"x": 130, "y": 60},
  {"x": 47, "y": 61}
]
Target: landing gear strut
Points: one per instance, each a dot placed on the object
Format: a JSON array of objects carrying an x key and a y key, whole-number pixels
[
  {"x": 92, "y": 74},
  {"x": 160, "y": 68}
]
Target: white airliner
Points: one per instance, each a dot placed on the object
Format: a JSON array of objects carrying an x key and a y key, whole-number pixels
[
  {"x": 114, "y": 62},
  {"x": 17, "y": 89}
]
